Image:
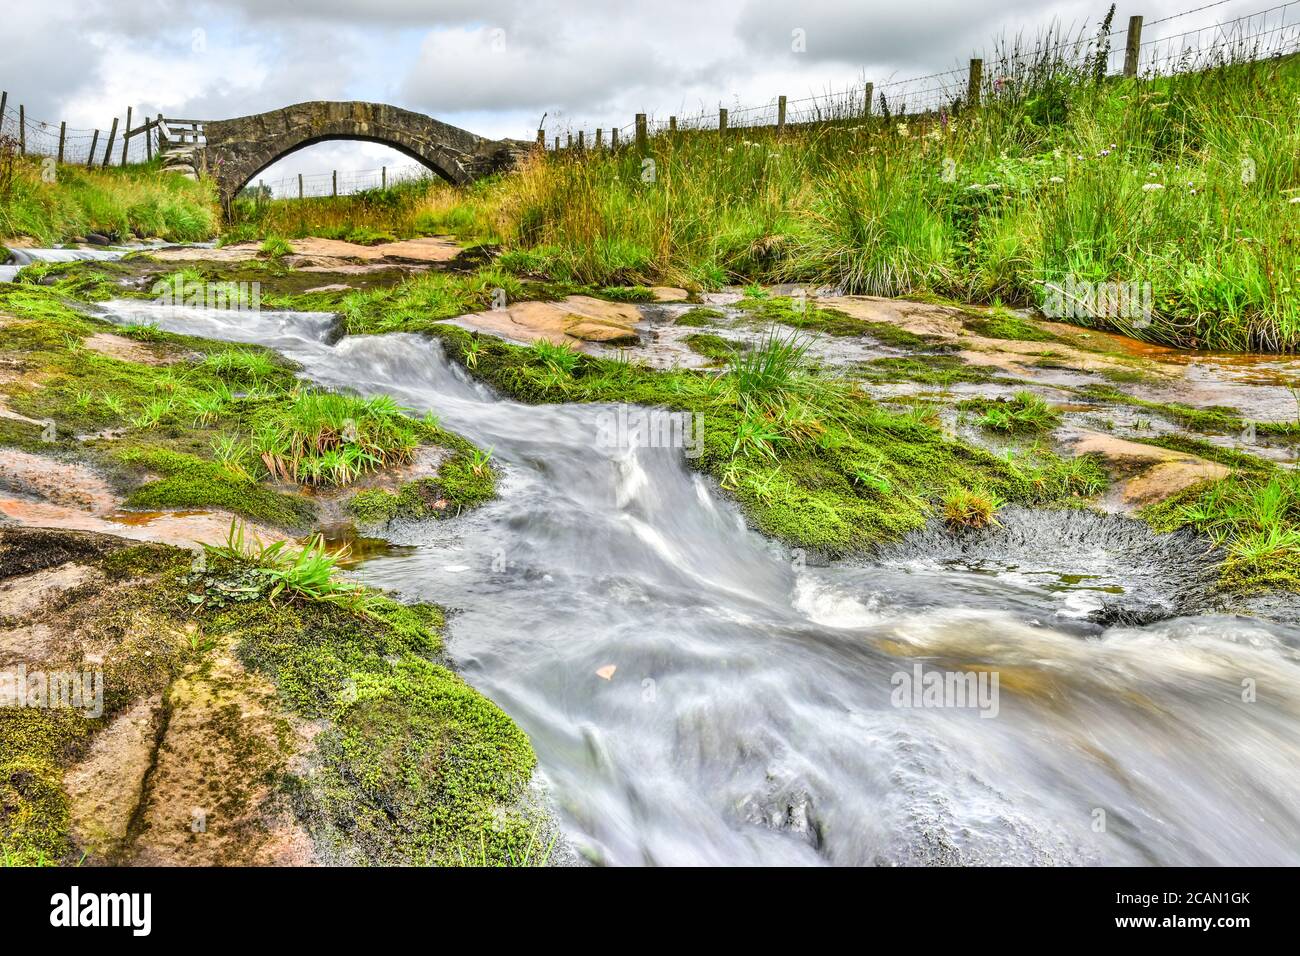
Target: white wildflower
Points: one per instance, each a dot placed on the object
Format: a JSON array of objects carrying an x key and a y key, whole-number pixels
[{"x": 1151, "y": 187}]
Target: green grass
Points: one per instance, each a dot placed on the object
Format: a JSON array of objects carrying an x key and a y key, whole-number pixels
[
  {"x": 123, "y": 202},
  {"x": 699, "y": 318},
  {"x": 1023, "y": 413},
  {"x": 1253, "y": 517},
  {"x": 812, "y": 460},
  {"x": 940, "y": 370},
  {"x": 711, "y": 346},
  {"x": 1002, "y": 324},
  {"x": 1039, "y": 193},
  {"x": 213, "y": 426}
]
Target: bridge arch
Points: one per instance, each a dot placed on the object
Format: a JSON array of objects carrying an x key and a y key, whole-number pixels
[{"x": 234, "y": 151}]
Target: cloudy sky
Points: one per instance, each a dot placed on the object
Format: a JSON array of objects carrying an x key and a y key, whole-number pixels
[{"x": 496, "y": 66}]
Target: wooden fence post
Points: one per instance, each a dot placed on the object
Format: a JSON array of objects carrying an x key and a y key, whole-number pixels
[
  {"x": 557, "y": 142},
  {"x": 300, "y": 185},
  {"x": 599, "y": 132},
  {"x": 4, "y": 101},
  {"x": 780, "y": 113},
  {"x": 722, "y": 120},
  {"x": 613, "y": 137},
  {"x": 1133, "y": 46},
  {"x": 642, "y": 137},
  {"x": 870, "y": 91},
  {"x": 973, "y": 82},
  {"x": 541, "y": 138},
  {"x": 94, "y": 141},
  {"x": 126, "y": 137},
  {"x": 672, "y": 124},
  {"x": 335, "y": 188},
  {"x": 383, "y": 177},
  {"x": 22, "y": 129},
  {"x": 63, "y": 135},
  {"x": 582, "y": 140},
  {"x": 148, "y": 141},
  {"x": 108, "y": 150}
]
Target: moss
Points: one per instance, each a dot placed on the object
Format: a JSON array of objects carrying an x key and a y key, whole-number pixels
[
  {"x": 465, "y": 480},
  {"x": 416, "y": 766},
  {"x": 190, "y": 482},
  {"x": 940, "y": 370},
  {"x": 137, "y": 618},
  {"x": 34, "y": 815},
  {"x": 1200, "y": 447},
  {"x": 711, "y": 346},
  {"x": 699, "y": 318},
  {"x": 1002, "y": 324},
  {"x": 1216, "y": 419},
  {"x": 806, "y": 315}
]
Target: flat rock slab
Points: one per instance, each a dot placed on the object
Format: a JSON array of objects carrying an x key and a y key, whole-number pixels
[
  {"x": 1148, "y": 473},
  {"x": 329, "y": 252},
  {"x": 574, "y": 321},
  {"x": 210, "y": 795},
  {"x": 120, "y": 347},
  {"x": 45, "y": 492},
  {"x": 24, "y": 595},
  {"x": 104, "y": 789}
]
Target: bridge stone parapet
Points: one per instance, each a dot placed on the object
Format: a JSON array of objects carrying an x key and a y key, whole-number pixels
[{"x": 234, "y": 151}]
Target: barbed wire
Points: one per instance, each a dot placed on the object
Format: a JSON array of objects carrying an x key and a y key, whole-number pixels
[{"x": 81, "y": 145}]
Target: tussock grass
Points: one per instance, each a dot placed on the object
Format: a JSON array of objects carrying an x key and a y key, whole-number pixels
[
  {"x": 1053, "y": 179},
  {"x": 119, "y": 202},
  {"x": 1253, "y": 516}
]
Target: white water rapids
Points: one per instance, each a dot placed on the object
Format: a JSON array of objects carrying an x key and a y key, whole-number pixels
[{"x": 750, "y": 716}]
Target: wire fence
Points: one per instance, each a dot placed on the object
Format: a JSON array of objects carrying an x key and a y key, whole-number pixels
[
  {"x": 116, "y": 144},
  {"x": 1272, "y": 32},
  {"x": 337, "y": 183}
]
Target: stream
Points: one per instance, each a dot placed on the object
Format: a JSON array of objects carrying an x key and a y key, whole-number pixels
[{"x": 698, "y": 694}]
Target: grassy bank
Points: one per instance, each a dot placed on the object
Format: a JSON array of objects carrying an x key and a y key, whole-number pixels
[
  {"x": 139, "y": 201},
  {"x": 180, "y": 422},
  {"x": 1187, "y": 184}
]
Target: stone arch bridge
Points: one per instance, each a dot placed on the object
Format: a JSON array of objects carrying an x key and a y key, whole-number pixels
[{"x": 234, "y": 151}]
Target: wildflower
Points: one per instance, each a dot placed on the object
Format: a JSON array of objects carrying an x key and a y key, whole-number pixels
[
  {"x": 1151, "y": 187},
  {"x": 1293, "y": 200},
  {"x": 902, "y": 129},
  {"x": 1056, "y": 179},
  {"x": 1079, "y": 158}
]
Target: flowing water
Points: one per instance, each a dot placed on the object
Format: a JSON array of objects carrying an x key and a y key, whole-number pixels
[
  {"x": 18, "y": 258},
  {"x": 697, "y": 694}
]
